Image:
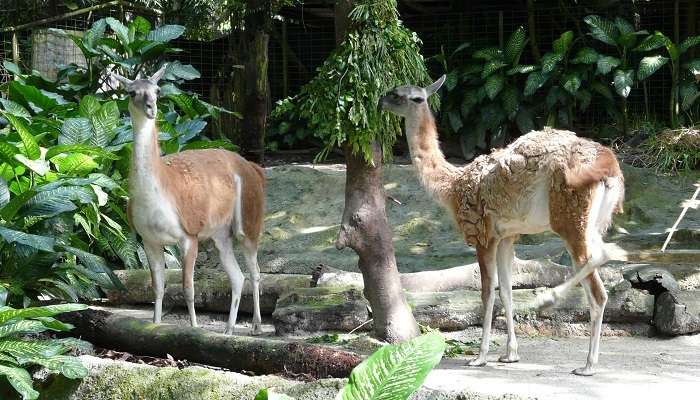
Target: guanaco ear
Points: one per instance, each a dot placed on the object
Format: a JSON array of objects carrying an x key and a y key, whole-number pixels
[
  {"x": 435, "y": 86},
  {"x": 124, "y": 81},
  {"x": 159, "y": 74}
]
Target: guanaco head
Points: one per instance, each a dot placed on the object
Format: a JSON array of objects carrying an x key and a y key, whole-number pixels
[
  {"x": 407, "y": 100},
  {"x": 143, "y": 94}
]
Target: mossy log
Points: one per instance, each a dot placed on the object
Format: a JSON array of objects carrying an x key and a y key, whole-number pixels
[
  {"x": 237, "y": 353},
  {"x": 527, "y": 274},
  {"x": 678, "y": 313},
  {"x": 211, "y": 287},
  {"x": 319, "y": 309}
]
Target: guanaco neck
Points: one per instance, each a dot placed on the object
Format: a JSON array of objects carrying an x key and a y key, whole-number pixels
[
  {"x": 145, "y": 159},
  {"x": 435, "y": 173}
]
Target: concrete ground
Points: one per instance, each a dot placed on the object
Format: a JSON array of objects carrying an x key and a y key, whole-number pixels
[{"x": 629, "y": 367}]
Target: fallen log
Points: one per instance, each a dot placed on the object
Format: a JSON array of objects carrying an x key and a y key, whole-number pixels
[
  {"x": 317, "y": 309},
  {"x": 527, "y": 274},
  {"x": 211, "y": 287},
  {"x": 678, "y": 313},
  {"x": 237, "y": 353}
]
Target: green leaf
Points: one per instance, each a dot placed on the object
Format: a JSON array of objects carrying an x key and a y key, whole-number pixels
[
  {"x": 166, "y": 33},
  {"x": 21, "y": 349},
  {"x": 12, "y": 67},
  {"x": 58, "y": 200},
  {"x": 20, "y": 379},
  {"x": 572, "y": 82},
  {"x": 649, "y": 65},
  {"x": 606, "y": 64},
  {"x": 689, "y": 42},
  {"x": 455, "y": 121},
  {"x": 31, "y": 147},
  {"x": 563, "y": 43},
  {"x": 8, "y": 212},
  {"x": 689, "y": 94},
  {"x": 15, "y": 109},
  {"x": 586, "y": 55},
  {"x": 394, "y": 372},
  {"x": 515, "y": 45},
  {"x": 8, "y": 152},
  {"x": 602, "y": 29},
  {"x": 38, "y": 242},
  {"x": 75, "y": 163},
  {"x": 80, "y": 148},
  {"x": 488, "y": 53},
  {"x": 652, "y": 42},
  {"x": 75, "y": 131},
  {"x": 141, "y": 25},
  {"x": 8, "y": 313},
  {"x": 89, "y": 105},
  {"x": 176, "y": 70},
  {"x": 121, "y": 31},
  {"x": 451, "y": 80},
  {"x": 534, "y": 81},
  {"x": 4, "y": 193},
  {"x": 584, "y": 97},
  {"x": 492, "y": 66},
  {"x": 624, "y": 26},
  {"x": 68, "y": 366},
  {"x": 493, "y": 85},
  {"x": 521, "y": 69},
  {"x": 104, "y": 124},
  {"x": 96, "y": 264},
  {"x": 510, "y": 100},
  {"x": 623, "y": 81},
  {"x": 550, "y": 61},
  {"x": 31, "y": 96},
  {"x": 23, "y": 327},
  {"x": 601, "y": 89}
]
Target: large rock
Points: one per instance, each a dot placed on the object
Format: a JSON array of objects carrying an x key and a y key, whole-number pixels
[{"x": 678, "y": 313}]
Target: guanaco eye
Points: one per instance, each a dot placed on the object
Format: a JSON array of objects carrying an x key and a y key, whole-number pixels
[{"x": 417, "y": 100}]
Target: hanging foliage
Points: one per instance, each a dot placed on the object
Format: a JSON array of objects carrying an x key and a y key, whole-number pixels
[{"x": 340, "y": 104}]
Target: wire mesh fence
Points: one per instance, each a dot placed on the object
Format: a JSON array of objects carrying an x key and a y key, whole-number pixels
[{"x": 299, "y": 46}]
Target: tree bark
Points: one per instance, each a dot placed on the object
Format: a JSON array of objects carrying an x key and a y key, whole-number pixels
[
  {"x": 257, "y": 23},
  {"x": 531, "y": 27},
  {"x": 365, "y": 229},
  {"x": 238, "y": 353}
]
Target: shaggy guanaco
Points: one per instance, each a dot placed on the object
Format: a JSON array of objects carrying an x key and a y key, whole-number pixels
[
  {"x": 189, "y": 196},
  {"x": 547, "y": 180}
]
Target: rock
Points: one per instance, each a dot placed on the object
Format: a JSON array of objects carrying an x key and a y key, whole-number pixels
[
  {"x": 321, "y": 309},
  {"x": 653, "y": 279},
  {"x": 212, "y": 289},
  {"x": 316, "y": 309},
  {"x": 678, "y": 313}
]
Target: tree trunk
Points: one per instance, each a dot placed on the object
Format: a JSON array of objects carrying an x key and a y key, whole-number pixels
[
  {"x": 238, "y": 353},
  {"x": 531, "y": 27},
  {"x": 256, "y": 91},
  {"x": 365, "y": 229}
]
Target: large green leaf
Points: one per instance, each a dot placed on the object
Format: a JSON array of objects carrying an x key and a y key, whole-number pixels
[
  {"x": 75, "y": 163},
  {"x": 586, "y": 55},
  {"x": 652, "y": 42},
  {"x": 104, "y": 124},
  {"x": 623, "y": 81},
  {"x": 166, "y": 33},
  {"x": 394, "y": 372},
  {"x": 56, "y": 201},
  {"x": 689, "y": 42},
  {"x": 31, "y": 147},
  {"x": 70, "y": 367},
  {"x": 493, "y": 85},
  {"x": 95, "y": 263},
  {"x": 606, "y": 64},
  {"x": 563, "y": 43},
  {"x": 488, "y": 53},
  {"x": 601, "y": 89},
  {"x": 689, "y": 94},
  {"x": 121, "y": 31},
  {"x": 534, "y": 81},
  {"x": 141, "y": 25},
  {"x": 623, "y": 26},
  {"x": 455, "y": 121},
  {"x": 80, "y": 148},
  {"x": 10, "y": 210},
  {"x": 521, "y": 69},
  {"x": 550, "y": 60},
  {"x": 12, "y": 67},
  {"x": 8, "y": 152},
  {"x": 20, "y": 379},
  {"x": 572, "y": 82},
  {"x": 649, "y": 65},
  {"x": 8, "y": 313},
  {"x": 515, "y": 45},
  {"x": 25, "y": 326},
  {"x": 31, "y": 96},
  {"x": 89, "y": 105},
  {"x": 176, "y": 70},
  {"x": 38, "y": 242},
  {"x": 602, "y": 29},
  {"x": 510, "y": 99},
  {"x": 15, "y": 109},
  {"x": 4, "y": 193},
  {"x": 492, "y": 66},
  {"x": 75, "y": 131},
  {"x": 26, "y": 349}
]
